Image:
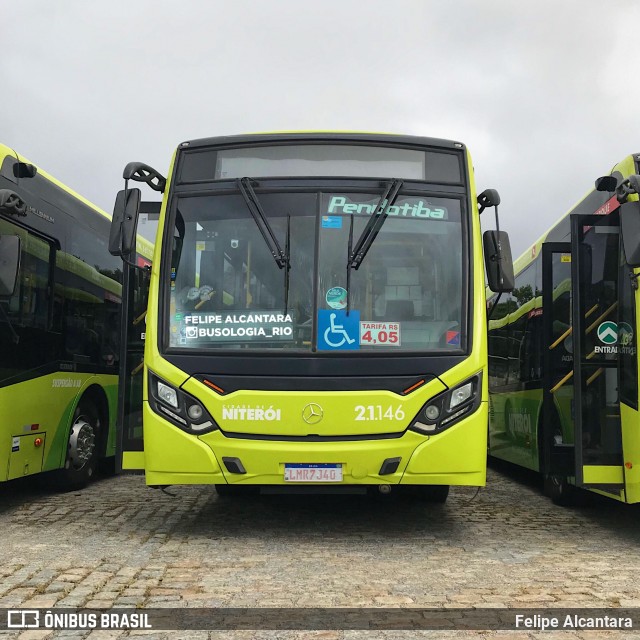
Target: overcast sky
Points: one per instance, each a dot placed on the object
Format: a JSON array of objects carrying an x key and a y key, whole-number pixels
[{"x": 544, "y": 93}]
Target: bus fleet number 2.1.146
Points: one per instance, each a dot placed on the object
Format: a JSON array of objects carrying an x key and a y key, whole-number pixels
[{"x": 378, "y": 412}]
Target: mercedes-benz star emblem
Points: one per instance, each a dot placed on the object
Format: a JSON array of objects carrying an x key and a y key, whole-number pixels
[{"x": 312, "y": 413}]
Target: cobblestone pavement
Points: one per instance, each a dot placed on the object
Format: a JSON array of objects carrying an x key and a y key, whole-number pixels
[{"x": 119, "y": 543}]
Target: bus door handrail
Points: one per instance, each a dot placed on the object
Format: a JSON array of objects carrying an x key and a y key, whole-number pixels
[
  {"x": 569, "y": 331},
  {"x": 562, "y": 381},
  {"x": 591, "y": 327}
]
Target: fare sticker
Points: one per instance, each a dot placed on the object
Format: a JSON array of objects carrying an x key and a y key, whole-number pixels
[{"x": 380, "y": 334}]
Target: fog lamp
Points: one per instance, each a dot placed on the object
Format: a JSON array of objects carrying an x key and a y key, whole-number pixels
[{"x": 432, "y": 412}]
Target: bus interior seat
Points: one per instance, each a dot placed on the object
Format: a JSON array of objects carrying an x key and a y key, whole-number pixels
[{"x": 400, "y": 310}]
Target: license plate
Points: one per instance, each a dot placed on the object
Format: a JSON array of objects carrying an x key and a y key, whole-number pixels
[{"x": 313, "y": 472}]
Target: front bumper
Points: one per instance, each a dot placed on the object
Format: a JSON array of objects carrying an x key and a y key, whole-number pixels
[{"x": 456, "y": 456}]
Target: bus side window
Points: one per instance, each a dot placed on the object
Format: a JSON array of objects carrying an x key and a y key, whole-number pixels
[
  {"x": 517, "y": 336},
  {"x": 92, "y": 297},
  {"x": 530, "y": 358},
  {"x": 521, "y": 359},
  {"x": 498, "y": 358},
  {"x": 499, "y": 342},
  {"x": 29, "y": 306}
]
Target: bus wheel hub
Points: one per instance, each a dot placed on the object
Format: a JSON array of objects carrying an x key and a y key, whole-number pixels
[{"x": 81, "y": 442}]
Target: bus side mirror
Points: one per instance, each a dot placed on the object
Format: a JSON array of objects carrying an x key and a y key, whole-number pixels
[
  {"x": 122, "y": 237},
  {"x": 630, "y": 229},
  {"x": 498, "y": 261},
  {"x": 9, "y": 264}
]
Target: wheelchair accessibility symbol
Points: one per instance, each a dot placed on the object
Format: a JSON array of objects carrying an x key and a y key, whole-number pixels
[
  {"x": 337, "y": 330},
  {"x": 335, "y": 335}
]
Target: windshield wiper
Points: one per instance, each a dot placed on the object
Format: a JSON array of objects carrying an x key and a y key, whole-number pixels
[
  {"x": 379, "y": 215},
  {"x": 282, "y": 258},
  {"x": 357, "y": 254}
]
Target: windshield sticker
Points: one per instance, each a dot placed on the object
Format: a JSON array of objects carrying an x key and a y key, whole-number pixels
[
  {"x": 625, "y": 338},
  {"x": 337, "y": 298},
  {"x": 332, "y": 222},
  {"x": 453, "y": 338},
  {"x": 404, "y": 208},
  {"x": 338, "y": 331},
  {"x": 236, "y": 327},
  {"x": 380, "y": 334},
  {"x": 607, "y": 333}
]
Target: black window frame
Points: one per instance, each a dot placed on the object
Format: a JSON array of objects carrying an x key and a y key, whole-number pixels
[
  {"x": 305, "y": 185},
  {"x": 53, "y": 215},
  {"x": 628, "y": 363},
  {"x": 311, "y": 367},
  {"x": 186, "y": 151}
]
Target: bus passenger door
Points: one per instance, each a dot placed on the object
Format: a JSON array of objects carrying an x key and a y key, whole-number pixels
[
  {"x": 595, "y": 269},
  {"x": 130, "y": 449},
  {"x": 555, "y": 439}
]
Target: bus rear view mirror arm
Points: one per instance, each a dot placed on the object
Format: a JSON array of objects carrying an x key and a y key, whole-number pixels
[
  {"x": 12, "y": 204},
  {"x": 497, "y": 248},
  {"x": 124, "y": 224},
  {"x": 629, "y": 216},
  {"x": 488, "y": 198},
  {"x": 623, "y": 190},
  {"x": 140, "y": 172}
]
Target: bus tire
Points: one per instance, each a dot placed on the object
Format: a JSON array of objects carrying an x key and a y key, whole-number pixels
[
  {"x": 83, "y": 445},
  {"x": 560, "y": 490}
]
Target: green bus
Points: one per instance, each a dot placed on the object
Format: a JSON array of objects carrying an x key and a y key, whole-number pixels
[
  {"x": 316, "y": 315},
  {"x": 60, "y": 294},
  {"x": 563, "y": 369}
]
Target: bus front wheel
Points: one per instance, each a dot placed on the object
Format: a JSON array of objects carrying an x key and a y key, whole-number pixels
[{"x": 82, "y": 448}]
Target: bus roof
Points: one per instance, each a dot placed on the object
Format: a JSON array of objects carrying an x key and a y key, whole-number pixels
[
  {"x": 8, "y": 151},
  {"x": 625, "y": 167},
  {"x": 322, "y": 136},
  {"x": 143, "y": 246}
]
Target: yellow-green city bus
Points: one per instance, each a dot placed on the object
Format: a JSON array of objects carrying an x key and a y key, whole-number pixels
[
  {"x": 60, "y": 292},
  {"x": 316, "y": 315},
  {"x": 563, "y": 368}
]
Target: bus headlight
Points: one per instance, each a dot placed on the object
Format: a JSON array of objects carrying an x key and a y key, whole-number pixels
[
  {"x": 167, "y": 394},
  {"x": 178, "y": 407},
  {"x": 460, "y": 395},
  {"x": 449, "y": 407}
]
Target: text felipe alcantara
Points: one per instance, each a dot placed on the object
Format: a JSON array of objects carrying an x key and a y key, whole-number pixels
[{"x": 572, "y": 621}]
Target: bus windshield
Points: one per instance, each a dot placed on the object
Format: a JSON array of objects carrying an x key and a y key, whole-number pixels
[{"x": 226, "y": 291}]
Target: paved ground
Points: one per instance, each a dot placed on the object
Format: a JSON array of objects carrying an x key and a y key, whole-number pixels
[{"x": 120, "y": 544}]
